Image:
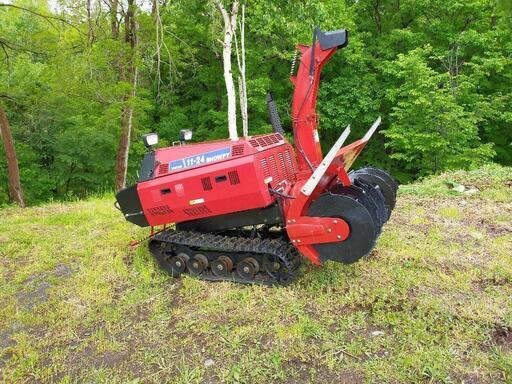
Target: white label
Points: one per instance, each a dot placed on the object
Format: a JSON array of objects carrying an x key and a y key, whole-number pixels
[
  {"x": 315, "y": 135},
  {"x": 196, "y": 201},
  {"x": 200, "y": 159}
]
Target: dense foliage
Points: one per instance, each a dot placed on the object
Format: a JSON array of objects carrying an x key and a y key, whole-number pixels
[{"x": 439, "y": 72}]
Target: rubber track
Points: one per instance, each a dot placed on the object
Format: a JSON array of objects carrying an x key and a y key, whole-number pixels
[{"x": 227, "y": 244}]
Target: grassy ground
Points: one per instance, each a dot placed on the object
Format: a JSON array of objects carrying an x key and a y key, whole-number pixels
[{"x": 432, "y": 303}]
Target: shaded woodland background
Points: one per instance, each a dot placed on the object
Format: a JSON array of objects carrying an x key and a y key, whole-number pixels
[{"x": 72, "y": 73}]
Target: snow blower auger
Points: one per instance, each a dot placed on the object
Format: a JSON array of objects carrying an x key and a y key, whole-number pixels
[{"x": 247, "y": 210}]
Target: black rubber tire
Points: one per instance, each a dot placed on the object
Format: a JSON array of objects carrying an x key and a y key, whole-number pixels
[{"x": 363, "y": 231}]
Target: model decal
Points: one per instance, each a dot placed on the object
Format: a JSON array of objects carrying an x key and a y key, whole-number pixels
[{"x": 203, "y": 158}]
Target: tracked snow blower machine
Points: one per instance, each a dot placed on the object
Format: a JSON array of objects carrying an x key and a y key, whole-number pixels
[{"x": 249, "y": 210}]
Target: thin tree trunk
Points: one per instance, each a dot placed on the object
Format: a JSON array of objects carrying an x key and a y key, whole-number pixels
[
  {"x": 154, "y": 5},
  {"x": 90, "y": 32},
  {"x": 229, "y": 30},
  {"x": 243, "y": 106},
  {"x": 159, "y": 39},
  {"x": 129, "y": 74},
  {"x": 13, "y": 171},
  {"x": 242, "y": 84},
  {"x": 376, "y": 12},
  {"x": 230, "y": 86},
  {"x": 114, "y": 27}
]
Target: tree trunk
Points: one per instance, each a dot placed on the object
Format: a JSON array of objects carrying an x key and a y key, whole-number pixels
[
  {"x": 243, "y": 106},
  {"x": 114, "y": 27},
  {"x": 90, "y": 31},
  {"x": 230, "y": 86},
  {"x": 229, "y": 31},
  {"x": 242, "y": 84},
  {"x": 15, "y": 191},
  {"x": 377, "y": 17},
  {"x": 128, "y": 74}
]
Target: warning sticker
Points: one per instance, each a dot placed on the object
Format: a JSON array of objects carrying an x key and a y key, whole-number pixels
[{"x": 203, "y": 158}]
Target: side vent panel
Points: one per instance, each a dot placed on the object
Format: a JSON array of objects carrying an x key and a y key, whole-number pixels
[
  {"x": 237, "y": 150},
  {"x": 207, "y": 183},
  {"x": 289, "y": 162},
  {"x": 266, "y": 140},
  {"x": 160, "y": 210},
  {"x": 280, "y": 166},
  {"x": 163, "y": 169},
  {"x": 197, "y": 211},
  {"x": 233, "y": 177},
  {"x": 284, "y": 170},
  {"x": 273, "y": 168},
  {"x": 264, "y": 167}
]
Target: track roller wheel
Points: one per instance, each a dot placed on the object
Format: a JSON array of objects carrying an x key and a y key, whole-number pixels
[
  {"x": 282, "y": 269},
  {"x": 197, "y": 264},
  {"x": 363, "y": 231},
  {"x": 247, "y": 268},
  {"x": 271, "y": 264},
  {"x": 178, "y": 264},
  {"x": 222, "y": 266}
]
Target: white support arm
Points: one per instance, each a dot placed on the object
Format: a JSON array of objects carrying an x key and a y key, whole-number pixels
[
  {"x": 372, "y": 129},
  {"x": 313, "y": 180}
]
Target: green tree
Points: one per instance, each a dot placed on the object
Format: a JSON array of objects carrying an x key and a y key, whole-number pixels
[
  {"x": 430, "y": 131},
  {"x": 439, "y": 73}
]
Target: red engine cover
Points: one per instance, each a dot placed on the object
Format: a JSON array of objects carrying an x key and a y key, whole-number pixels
[{"x": 215, "y": 178}]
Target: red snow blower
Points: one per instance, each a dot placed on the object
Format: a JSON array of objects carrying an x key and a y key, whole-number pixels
[{"x": 247, "y": 210}]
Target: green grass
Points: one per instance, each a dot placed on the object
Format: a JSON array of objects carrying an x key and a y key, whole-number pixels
[{"x": 432, "y": 303}]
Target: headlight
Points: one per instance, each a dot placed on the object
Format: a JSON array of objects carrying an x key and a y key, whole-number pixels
[
  {"x": 150, "y": 139},
  {"x": 185, "y": 135}
]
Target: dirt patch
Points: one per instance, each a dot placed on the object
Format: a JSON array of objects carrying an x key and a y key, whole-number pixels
[
  {"x": 6, "y": 340},
  {"x": 473, "y": 378},
  {"x": 403, "y": 223},
  {"x": 305, "y": 373},
  {"x": 139, "y": 314},
  {"x": 108, "y": 359},
  {"x": 374, "y": 254},
  {"x": 502, "y": 337},
  {"x": 496, "y": 230},
  {"x": 27, "y": 300},
  {"x": 346, "y": 376},
  {"x": 84, "y": 354},
  {"x": 60, "y": 271},
  {"x": 128, "y": 256},
  {"x": 492, "y": 229},
  {"x": 89, "y": 358},
  {"x": 36, "y": 286},
  {"x": 481, "y": 284}
]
